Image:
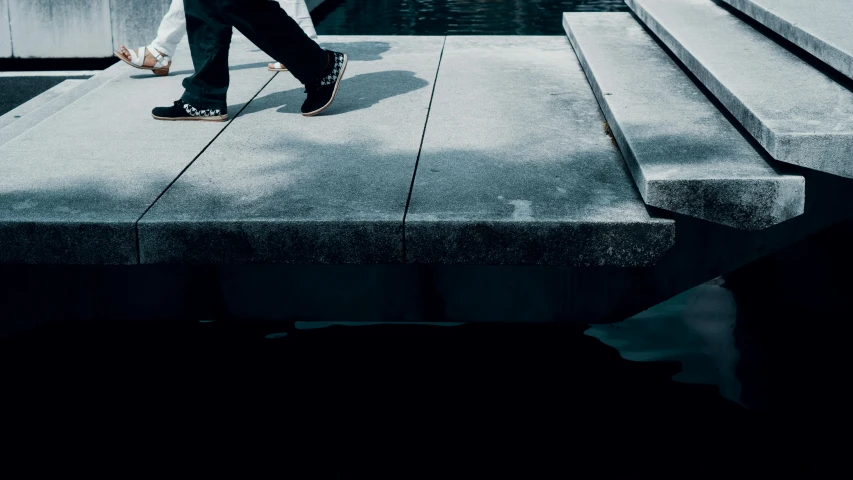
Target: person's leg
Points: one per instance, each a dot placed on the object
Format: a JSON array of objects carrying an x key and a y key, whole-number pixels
[
  {"x": 297, "y": 10},
  {"x": 172, "y": 29},
  {"x": 266, "y": 25},
  {"x": 205, "y": 92},
  {"x": 158, "y": 55}
]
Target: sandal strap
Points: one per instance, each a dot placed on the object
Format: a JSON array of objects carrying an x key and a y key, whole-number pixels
[
  {"x": 162, "y": 60},
  {"x": 137, "y": 57}
]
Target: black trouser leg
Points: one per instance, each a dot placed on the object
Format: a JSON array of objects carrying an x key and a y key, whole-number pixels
[
  {"x": 266, "y": 25},
  {"x": 210, "y": 37}
]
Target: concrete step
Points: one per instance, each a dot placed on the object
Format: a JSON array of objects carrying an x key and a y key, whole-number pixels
[
  {"x": 820, "y": 27},
  {"x": 73, "y": 186},
  {"x": 277, "y": 187},
  {"x": 686, "y": 157},
  {"x": 516, "y": 167},
  {"x": 39, "y": 100},
  {"x": 797, "y": 113},
  {"x": 48, "y": 104}
]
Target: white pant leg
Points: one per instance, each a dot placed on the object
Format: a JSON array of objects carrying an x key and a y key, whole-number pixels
[
  {"x": 298, "y": 11},
  {"x": 172, "y": 29}
]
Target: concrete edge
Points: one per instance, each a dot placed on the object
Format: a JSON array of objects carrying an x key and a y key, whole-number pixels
[
  {"x": 785, "y": 29},
  {"x": 48, "y": 109},
  {"x": 788, "y": 191},
  {"x": 330, "y": 242},
  {"x": 775, "y": 144},
  {"x": 37, "y": 101},
  {"x": 554, "y": 243}
]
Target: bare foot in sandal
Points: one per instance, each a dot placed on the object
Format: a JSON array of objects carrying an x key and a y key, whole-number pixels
[{"x": 145, "y": 58}]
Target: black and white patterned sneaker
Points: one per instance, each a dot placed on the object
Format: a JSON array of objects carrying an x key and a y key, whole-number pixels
[
  {"x": 322, "y": 93},
  {"x": 181, "y": 110}
]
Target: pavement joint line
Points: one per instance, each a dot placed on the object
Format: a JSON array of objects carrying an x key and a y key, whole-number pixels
[
  {"x": 421, "y": 147},
  {"x": 228, "y": 124}
]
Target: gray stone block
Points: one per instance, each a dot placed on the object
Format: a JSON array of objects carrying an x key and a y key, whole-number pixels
[
  {"x": 39, "y": 101},
  {"x": 516, "y": 167},
  {"x": 73, "y": 186},
  {"x": 277, "y": 187},
  {"x": 52, "y": 29},
  {"x": 685, "y": 156},
  {"x": 10, "y": 130},
  {"x": 796, "y": 112},
  {"x": 5, "y": 33},
  {"x": 134, "y": 23},
  {"x": 820, "y": 27}
]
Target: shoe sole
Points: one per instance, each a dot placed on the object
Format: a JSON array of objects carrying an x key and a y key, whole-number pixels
[
  {"x": 157, "y": 71},
  {"x": 220, "y": 118},
  {"x": 334, "y": 92}
]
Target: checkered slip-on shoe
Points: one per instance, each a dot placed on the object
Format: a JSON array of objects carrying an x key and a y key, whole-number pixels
[
  {"x": 322, "y": 93},
  {"x": 181, "y": 110}
]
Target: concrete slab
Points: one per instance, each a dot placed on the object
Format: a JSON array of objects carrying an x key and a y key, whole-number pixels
[
  {"x": 73, "y": 187},
  {"x": 13, "y": 129},
  {"x": 685, "y": 156},
  {"x": 18, "y": 112},
  {"x": 134, "y": 23},
  {"x": 5, "y": 33},
  {"x": 516, "y": 167},
  {"x": 277, "y": 187},
  {"x": 796, "y": 112},
  {"x": 820, "y": 27},
  {"x": 66, "y": 29}
]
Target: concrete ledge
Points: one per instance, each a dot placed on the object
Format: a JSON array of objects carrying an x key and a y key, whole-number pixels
[
  {"x": 20, "y": 111},
  {"x": 271, "y": 242},
  {"x": 67, "y": 243},
  {"x": 797, "y": 113},
  {"x": 516, "y": 166},
  {"x": 277, "y": 187},
  {"x": 555, "y": 243},
  {"x": 14, "y": 127},
  {"x": 821, "y": 28},
  {"x": 73, "y": 186},
  {"x": 684, "y": 154}
]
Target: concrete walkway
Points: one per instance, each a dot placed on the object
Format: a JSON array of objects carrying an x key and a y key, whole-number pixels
[{"x": 516, "y": 167}]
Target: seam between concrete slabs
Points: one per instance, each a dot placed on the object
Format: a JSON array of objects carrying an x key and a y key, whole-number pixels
[
  {"x": 421, "y": 147},
  {"x": 181, "y": 173}
]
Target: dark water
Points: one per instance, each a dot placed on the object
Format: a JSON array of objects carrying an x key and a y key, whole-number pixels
[{"x": 452, "y": 17}]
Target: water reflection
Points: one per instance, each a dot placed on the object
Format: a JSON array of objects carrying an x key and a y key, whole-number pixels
[
  {"x": 452, "y": 17},
  {"x": 695, "y": 329}
]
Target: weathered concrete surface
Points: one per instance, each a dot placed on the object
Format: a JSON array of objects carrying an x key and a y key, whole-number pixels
[
  {"x": 685, "y": 156},
  {"x": 516, "y": 167},
  {"x": 134, "y": 23},
  {"x": 5, "y": 33},
  {"x": 277, "y": 187},
  {"x": 797, "y": 113},
  {"x": 36, "y": 116},
  {"x": 54, "y": 29},
  {"x": 820, "y": 27},
  {"x": 37, "y": 102},
  {"x": 73, "y": 186}
]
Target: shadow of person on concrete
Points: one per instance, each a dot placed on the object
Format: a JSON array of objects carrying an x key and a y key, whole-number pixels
[
  {"x": 356, "y": 93},
  {"x": 356, "y": 51}
]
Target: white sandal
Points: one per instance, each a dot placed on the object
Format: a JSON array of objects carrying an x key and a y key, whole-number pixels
[
  {"x": 137, "y": 58},
  {"x": 277, "y": 67}
]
